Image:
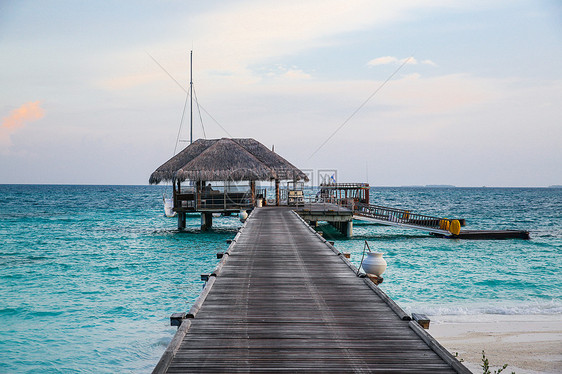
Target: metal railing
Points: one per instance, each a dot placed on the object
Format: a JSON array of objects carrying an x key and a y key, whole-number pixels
[
  {"x": 393, "y": 216},
  {"x": 344, "y": 185},
  {"x": 401, "y": 216}
]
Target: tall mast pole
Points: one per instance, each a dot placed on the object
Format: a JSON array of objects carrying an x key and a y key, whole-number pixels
[{"x": 191, "y": 96}]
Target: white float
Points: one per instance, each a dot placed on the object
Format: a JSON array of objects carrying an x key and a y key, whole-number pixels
[
  {"x": 169, "y": 207},
  {"x": 374, "y": 263},
  {"x": 243, "y": 215}
]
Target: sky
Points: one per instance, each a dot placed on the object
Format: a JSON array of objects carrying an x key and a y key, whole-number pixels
[{"x": 394, "y": 93}]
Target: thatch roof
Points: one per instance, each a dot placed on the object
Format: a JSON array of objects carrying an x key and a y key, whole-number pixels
[
  {"x": 168, "y": 170},
  {"x": 282, "y": 168},
  {"x": 226, "y": 159}
]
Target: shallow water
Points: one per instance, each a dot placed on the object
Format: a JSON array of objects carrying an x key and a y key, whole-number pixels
[{"x": 90, "y": 274}]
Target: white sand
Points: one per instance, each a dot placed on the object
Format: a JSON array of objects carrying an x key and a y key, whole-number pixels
[{"x": 528, "y": 344}]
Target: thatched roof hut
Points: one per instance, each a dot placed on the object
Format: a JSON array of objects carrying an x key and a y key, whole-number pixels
[{"x": 226, "y": 159}]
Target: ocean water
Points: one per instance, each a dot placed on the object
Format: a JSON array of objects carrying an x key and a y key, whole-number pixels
[
  {"x": 90, "y": 274},
  {"x": 440, "y": 276}
]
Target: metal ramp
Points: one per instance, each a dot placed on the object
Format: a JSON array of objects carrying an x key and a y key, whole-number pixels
[{"x": 402, "y": 218}]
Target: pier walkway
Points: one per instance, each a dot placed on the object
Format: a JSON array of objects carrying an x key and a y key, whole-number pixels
[{"x": 283, "y": 299}]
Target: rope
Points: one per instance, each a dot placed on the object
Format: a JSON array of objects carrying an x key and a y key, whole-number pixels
[
  {"x": 181, "y": 122},
  {"x": 366, "y": 246},
  {"x": 362, "y": 105},
  {"x": 199, "y": 111},
  {"x": 187, "y": 92}
]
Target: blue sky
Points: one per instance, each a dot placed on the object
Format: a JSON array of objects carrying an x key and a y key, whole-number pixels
[{"x": 478, "y": 103}]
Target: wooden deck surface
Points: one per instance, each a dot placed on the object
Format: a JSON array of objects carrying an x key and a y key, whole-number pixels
[{"x": 284, "y": 301}]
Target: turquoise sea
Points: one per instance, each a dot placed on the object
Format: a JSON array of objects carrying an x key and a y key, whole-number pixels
[{"x": 90, "y": 274}]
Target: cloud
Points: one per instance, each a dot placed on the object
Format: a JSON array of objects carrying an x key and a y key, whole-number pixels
[
  {"x": 386, "y": 60},
  {"x": 236, "y": 37},
  {"x": 232, "y": 40},
  {"x": 383, "y": 61},
  {"x": 125, "y": 82},
  {"x": 429, "y": 62},
  {"x": 282, "y": 73},
  {"x": 18, "y": 118},
  {"x": 297, "y": 74}
]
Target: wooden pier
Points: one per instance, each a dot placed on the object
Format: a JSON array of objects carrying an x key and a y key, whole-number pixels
[{"x": 283, "y": 299}]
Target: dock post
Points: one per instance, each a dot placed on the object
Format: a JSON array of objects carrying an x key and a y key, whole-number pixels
[
  {"x": 181, "y": 220},
  {"x": 253, "y": 190},
  {"x": 344, "y": 227},
  {"x": 206, "y": 221},
  {"x": 349, "y": 229},
  {"x": 277, "y": 192}
]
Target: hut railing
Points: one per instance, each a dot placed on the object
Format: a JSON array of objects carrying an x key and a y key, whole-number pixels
[
  {"x": 184, "y": 202},
  {"x": 225, "y": 201},
  {"x": 217, "y": 200}
]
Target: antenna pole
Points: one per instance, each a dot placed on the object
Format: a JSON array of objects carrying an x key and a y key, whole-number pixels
[{"x": 191, "y": 96}]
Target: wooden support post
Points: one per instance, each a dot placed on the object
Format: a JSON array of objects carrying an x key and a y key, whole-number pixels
[
  {"x": 206, "y": 221},
  {"x": 253, "y": 189},
  {"x": 349, "y": 229},
  {"x": 277, "y": 192},
  {"x": 346, "y": 254},
  {"x": 375, "y": 279},
  {"x": 421, "y": 319},
  {"x": 220, "y": 254},
  {"x": 181, "y": 220},
  {"x": 176, "y": 319},
  {"x": 198, "y": 191},
  {"x": 205, "y": 277}
]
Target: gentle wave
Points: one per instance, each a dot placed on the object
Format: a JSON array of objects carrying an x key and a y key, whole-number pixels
[{"x": 547, "y": 308}]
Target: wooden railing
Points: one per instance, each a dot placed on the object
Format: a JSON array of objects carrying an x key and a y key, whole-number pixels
[{"x": 229, "y": 201}]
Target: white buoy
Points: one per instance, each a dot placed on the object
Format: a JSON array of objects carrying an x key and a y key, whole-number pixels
[
  {"x": 169, "y": 208},
  {"x": 243, "y": 215},
  {"x": 374, "y": 263}
]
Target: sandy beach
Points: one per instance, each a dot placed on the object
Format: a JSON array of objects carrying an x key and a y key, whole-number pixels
[{"x": 527, "y": 343}]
